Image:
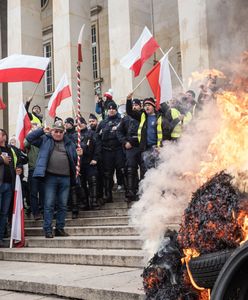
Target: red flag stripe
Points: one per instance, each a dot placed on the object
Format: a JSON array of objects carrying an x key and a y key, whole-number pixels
[
  {"x": 153, "y": 79},
  {"x": 63, "y": 94},
  {"x": 21, "y": 74},
  {"x": 148, "y": 49},
  {"x": 2, "y": 104},
  {"x": 24, "y": 131}
]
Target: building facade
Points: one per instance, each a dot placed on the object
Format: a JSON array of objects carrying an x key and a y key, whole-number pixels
[{"x": 203, "y": 33}]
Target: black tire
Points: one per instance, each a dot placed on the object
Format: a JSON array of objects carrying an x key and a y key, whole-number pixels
[{"x": 206, "y": 268}]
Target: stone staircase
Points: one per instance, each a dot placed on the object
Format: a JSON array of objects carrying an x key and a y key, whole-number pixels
[{"x": 101, "y": 259}]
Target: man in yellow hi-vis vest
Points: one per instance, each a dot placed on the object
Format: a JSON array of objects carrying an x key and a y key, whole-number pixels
[
  {"x": 35, "y": 116},
  {"x": 150, "y": 131}
]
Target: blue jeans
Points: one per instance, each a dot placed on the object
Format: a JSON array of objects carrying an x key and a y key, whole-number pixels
[
  {"x": 36, "y": 188},
  {"x": 56, "y": 190},
  {"x": 6, "y": 194}
]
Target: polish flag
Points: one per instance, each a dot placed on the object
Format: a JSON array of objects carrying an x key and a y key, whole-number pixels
[
  {"x": 17, "y": 227},
  {"x": 141, "y": 52},
  {"x": 62, "y": 92},
  {"x": 23, "y": 125},
  {"x": 18, "y": 67},
  {"x": 159, "y": 79},
  {"x": 80, "y": 47},
  {"x": 2, "y": 104}
]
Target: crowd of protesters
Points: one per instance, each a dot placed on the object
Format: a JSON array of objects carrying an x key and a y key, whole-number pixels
[{"x": 121, "y": 147}]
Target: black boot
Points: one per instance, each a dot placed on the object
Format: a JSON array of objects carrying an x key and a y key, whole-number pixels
[
  {"x": 74, "y": 202},
  {"x": 93, "y": 192},
  {"x": 124, "y": 179},
  {"x": 131, "y": 184},
  {"x": 107, "y": 180}
]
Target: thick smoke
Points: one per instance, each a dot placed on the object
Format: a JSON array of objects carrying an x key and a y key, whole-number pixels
[{"x": 166, "y": 190}]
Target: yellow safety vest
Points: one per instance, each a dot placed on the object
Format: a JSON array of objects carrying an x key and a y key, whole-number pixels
[
  {"x": 36, "y": 120},
  {"x": 159, "y": 129},
  {"x": 177, "y": 131},
  {"x": 14, "y": 157}
]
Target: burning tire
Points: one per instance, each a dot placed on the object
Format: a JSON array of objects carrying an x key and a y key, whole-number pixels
[{"x": 206, "y": 268}]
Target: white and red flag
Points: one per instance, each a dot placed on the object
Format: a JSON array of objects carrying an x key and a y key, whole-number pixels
[
  {"x": 18, "y": 67},
  {"x": 23, "y": 125},
  {"x": 62, "y": 92},
  {"x": 145, "y": 46},
  {"x": 17, "y": 227},
  {"x": 159, "y": 79},
  {"x": 2, "y": 104},
  {"x": 80, "y": 46}
]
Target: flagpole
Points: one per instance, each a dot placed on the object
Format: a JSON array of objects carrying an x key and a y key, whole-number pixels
[
  {"x": 179, "y": 79},
  {"x": 35, "y": 89},
  {"x": 80, "y": 59},
  {"x": 145, "y": 76}
]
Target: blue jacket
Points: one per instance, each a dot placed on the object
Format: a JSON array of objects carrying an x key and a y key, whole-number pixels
[{"x": 46, "y": 144}]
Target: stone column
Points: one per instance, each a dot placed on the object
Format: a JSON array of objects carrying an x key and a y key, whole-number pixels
[
  {"x": 193, "y": 37},
  {"x": 68, "y": 18},
  {"x": 24, "y": 37},
  {"x": 127, "y": 20}
]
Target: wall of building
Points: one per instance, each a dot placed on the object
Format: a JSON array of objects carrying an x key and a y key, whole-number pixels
[{"x": 227, "y": 24}]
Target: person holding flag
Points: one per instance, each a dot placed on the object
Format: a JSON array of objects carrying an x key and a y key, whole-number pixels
[
  {"x": 10, "y": 165},
  {"x": 56, "y": 164}
]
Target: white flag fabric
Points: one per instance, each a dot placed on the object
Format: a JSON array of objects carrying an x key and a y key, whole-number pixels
[
  {"x": 143, "y": 49},
  {"x": 17, "y": 228},
  {"x": 159, "y": 78},
  {"x": 23, "y": 125},
  {"x": 62, "y": 92},
  {"x": 18, "y": 67}
]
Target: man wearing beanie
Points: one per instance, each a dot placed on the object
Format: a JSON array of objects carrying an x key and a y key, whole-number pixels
[
  {"x": 128, "y": 135},
  {"x": 102, "y": 103},
  {"x": 93, "y": 122},
  {"x": 69, "y": 128},
  {"x": 112, "y": 153},
  {"x": 150, "y": 131}
]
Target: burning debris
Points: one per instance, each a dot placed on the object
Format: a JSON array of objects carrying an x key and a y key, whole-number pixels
[
  {"x": 210, "y": 223},
  {"x": 163, "y": 278}
]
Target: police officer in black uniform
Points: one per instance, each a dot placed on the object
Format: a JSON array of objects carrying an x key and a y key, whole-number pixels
[
  {"x": 128, "y": 135},
  {"x": 112, "y": 152},
  {"x": 88, "y": 165}
]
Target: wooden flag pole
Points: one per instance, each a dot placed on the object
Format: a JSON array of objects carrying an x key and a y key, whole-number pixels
[
  {"x": 145, "y": 76},
  {"x": 179, "y": 79}
]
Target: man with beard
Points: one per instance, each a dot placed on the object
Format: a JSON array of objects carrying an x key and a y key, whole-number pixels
[
  {"x": 10, "y": 165},
  {"x": 35, "y": 116}
]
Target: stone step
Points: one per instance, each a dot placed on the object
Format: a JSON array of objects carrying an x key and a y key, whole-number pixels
[
  {"x": 10, "y": 295},
  {"x": 88, "y": 230},
  {"x": 97, "y": 213},
  {"x": 72, "y": 281},
  {"x": 100, "y": 257},
  {"x": 89, "y": 242},
  {"x": 100, "y": 221}
]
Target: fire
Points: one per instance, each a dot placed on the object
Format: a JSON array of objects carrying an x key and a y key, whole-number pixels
[
  {"x": 243, "y": 222},
  {"x": 229, "y": 147},
  {"x": 206, "y": 75},
  {"x": 152, "y": 280}
]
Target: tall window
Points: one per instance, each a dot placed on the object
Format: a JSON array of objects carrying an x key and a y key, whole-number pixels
[
  {"x": 94, "y": 51},
  {"x": 49, "y": 70}
]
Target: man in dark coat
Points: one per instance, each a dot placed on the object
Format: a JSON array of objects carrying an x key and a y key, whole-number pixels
[{"x": 56, "y": 164}]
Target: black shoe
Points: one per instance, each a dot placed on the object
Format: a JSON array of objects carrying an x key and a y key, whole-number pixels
[
  {"x": 49, "y": 235},
  {"x": 60, "y": 232},
  {"x": 74, "y": 215}
]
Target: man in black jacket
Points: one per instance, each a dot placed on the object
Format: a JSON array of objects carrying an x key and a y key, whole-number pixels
[{"x": 127, "y": 134}]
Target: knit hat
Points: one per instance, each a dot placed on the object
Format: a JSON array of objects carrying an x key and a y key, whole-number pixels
[
  {"x": 112, "y": 105},
  {"x": 58, "y": 125},
  {"x": 92, "y": 116},
  {"x": 109, "y": 94},
  {"x": 150, "y": 101},
  {"x": 36, "y": 106},
  {"x": 69, "y": 121},
  {"x": 136, "y": 101},
  {"x": 82, "y": 120}
]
